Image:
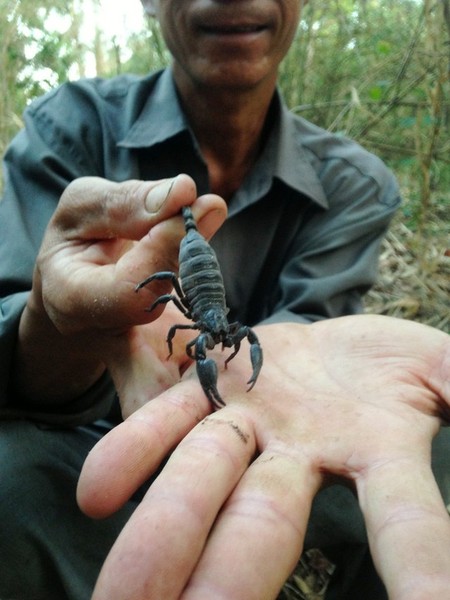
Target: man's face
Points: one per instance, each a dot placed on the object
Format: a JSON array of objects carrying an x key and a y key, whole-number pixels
[{"x": 227, "y": 43}]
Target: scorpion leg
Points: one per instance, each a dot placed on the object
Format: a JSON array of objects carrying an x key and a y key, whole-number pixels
[
  {"x": 164, "y": 299},
  {"x": 170, "y": 275},
  {"x": 178, "y": 300},
  {"x": 206, "y": 368},
  {"x": 237, "y": 346},
  {"x": 171, "y": 335}
]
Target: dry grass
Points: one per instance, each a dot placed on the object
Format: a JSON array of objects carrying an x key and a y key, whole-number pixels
[
  {"x": 310, "y": 578},
  {"x": 414, "y": 279}
]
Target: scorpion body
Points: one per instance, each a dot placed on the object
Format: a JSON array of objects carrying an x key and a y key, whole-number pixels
[
  {"x": 200, "y": 296},
  {"x": 201, "y": 278}
]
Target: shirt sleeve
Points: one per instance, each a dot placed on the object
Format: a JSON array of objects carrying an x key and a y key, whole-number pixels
[
  {"x": 39, "y": 163},
  {"x": 333, "y": 260}
]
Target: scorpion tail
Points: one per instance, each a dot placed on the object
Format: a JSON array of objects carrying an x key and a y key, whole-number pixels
[{"x": 189, "y": 221}]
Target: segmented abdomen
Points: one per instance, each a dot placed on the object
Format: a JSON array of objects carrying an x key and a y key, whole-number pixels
[{"x": 200, "y": 276}]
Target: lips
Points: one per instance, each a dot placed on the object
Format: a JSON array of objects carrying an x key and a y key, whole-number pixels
[
  {"x": 233, "y": 29},
  {"x": 229, "y": 30},
  {"x": 229, "y": 21}
]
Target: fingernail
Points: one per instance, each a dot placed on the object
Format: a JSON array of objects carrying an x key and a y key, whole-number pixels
[{"x": 158, "y": 195}]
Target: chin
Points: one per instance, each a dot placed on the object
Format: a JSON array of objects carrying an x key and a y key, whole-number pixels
[{"x": 236, "y": 76}]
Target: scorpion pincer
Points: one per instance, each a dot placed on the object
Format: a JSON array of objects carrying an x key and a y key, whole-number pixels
[{"x": 200, "y": 296}]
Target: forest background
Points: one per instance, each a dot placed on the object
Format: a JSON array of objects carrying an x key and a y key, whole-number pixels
[{"x": 376, "y": 71}]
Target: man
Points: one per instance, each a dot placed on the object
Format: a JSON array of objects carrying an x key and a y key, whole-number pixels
[{"x": 306, "y": 212}]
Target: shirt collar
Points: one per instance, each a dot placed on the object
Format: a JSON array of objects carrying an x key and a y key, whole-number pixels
[
  {"x": 283, "y": 155},
  {"x": 283, "y": 158},
  {"x": 292, "y": 163},
  {"x": 161, "y": 118}
]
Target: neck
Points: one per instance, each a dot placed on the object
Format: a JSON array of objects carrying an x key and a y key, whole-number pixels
[{"x": 229, "y": 126}]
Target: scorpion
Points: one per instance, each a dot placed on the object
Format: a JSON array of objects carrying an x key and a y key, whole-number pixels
[{"x": 200, "y": 296}]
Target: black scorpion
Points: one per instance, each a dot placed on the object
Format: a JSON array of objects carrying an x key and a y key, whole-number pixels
[{"x": 200, "y": 296}]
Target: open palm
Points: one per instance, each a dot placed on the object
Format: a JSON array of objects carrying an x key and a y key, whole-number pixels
[{"x": 359, "y": 398}]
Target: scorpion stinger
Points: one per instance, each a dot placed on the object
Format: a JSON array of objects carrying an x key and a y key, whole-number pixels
[{"x": 200, "y": 296}]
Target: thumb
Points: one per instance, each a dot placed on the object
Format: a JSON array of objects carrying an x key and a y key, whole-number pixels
[{"x": 95, "y": 208}]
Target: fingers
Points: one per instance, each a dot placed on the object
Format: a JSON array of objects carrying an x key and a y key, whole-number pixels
[
  {"x": 93, "y": 208},
  {"x": 408, "y": 529},
  {"x": 160, "y": 545},
  {"x": 90, "y": 260},
  {"x": 176, "y": 524},
  {"x": 128, "y": 455},
  {"x": 259, "y": 535}
]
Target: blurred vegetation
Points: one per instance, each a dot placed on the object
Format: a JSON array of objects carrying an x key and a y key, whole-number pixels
[{"x": 375, "y": 71}]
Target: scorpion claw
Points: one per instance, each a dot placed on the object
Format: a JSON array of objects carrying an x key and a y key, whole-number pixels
[
  {"x": 256, "y": 356},
  {"x": 207, "y": 374}
]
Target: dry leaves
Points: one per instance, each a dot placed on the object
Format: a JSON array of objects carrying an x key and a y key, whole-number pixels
[{"x": 414, "y": 278}]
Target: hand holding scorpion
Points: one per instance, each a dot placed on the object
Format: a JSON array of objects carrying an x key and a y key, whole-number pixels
[{"x": 82, "y": 313}]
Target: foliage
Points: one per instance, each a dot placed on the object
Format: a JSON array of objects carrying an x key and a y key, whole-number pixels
[
  {"x": 379, "y": 73},
  {"x": 148, "y": 51},
  {"x": 33, "y": 57}
]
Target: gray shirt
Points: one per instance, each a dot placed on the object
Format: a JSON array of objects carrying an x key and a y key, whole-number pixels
[{"x": 302, "y": 237}]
